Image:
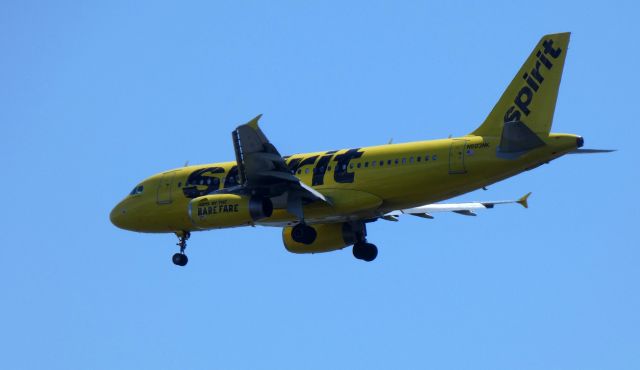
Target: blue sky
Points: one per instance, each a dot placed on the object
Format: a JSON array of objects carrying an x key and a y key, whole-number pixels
[{"x": 96, "y": 96}]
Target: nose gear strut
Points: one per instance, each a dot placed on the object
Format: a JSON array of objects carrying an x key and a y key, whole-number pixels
[{"x": 180, "y": 258}]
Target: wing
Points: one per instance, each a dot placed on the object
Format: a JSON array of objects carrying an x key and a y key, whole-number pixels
[
  {"x": 466, "y": 209},
  {"x": 262, "y": 170}
]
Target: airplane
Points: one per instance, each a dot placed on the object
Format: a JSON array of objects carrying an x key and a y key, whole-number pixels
[{"x": 323, "y": 201}]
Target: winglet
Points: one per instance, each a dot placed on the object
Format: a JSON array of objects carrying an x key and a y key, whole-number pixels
[
  {"x": 523, "y": 201},
  {"x": 254, "y": 122}
]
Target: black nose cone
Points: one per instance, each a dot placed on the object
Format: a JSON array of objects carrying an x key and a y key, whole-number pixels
[{"x": 579, "y": 142}]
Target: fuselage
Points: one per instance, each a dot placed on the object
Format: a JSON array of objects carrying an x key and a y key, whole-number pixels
[{"x": 363, "y": 183}]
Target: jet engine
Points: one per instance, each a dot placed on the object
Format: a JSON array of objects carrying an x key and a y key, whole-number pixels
[
  {"x": 329, "y": 237},
  {"x": 228, "y": 210}
]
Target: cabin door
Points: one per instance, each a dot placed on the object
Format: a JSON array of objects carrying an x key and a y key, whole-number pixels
[
  {"x": 456, "y": 157},
  {"x": 164, "y": 188}
]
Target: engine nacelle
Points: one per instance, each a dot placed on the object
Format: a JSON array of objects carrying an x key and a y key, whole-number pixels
[
  {"x": 330, "y": 237},
  {"x": 228, "y": 210}
]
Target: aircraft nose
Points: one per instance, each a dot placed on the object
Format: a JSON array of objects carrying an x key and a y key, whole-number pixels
[{"x": 118, "y": 215}]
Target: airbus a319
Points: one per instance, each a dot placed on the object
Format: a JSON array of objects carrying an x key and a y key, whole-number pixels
[{"x": 323, "y": 201}]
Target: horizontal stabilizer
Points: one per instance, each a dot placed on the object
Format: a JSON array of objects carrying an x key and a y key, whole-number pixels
[
  {"x": 591, "y": 151},
  {"x": 517, "y": 137}
]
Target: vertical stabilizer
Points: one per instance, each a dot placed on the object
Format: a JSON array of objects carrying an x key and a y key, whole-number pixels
[{"x": 531, "y": 96}]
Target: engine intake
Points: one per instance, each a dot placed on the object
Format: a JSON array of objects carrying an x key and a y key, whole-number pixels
[
  {"x": 329, "y": 237},
  {"x": 228, "y": 210}
]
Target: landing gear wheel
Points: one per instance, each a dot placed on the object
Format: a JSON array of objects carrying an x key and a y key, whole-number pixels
[
  {"x": 358, "y": 250},
  {"x": 303, "y": 233},
  {"x": 365, "y": 251},
  {"x": 180, "y": 259},
  {"x": 371, "y": 252}
]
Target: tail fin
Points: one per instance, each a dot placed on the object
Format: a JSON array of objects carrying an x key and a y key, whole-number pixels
[{"x": 531, "y": 96}]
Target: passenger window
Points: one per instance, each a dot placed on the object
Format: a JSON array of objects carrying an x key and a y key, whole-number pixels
[
  {"x": 366, "y": 164},
  {"x": 306, "y": 171},
  {"x": 410, "y": 159},
  {"x": 404, "y": 160},
  {"x": 329, "y": 168},
  {"x": 381, "y": 163},
  {"x": 299, "y": 172},
  {"x": 396, "y": 161},
  {"x": 351, "y": 165},
  {"x": 435, "y": 157},
  {"x": 426, "y": 157},
  {"x": 359, "y": 164},
  {"x": 373, "y": 163},
  {"x": 389, "y": 162},
  {"x": 419, "y": 158}
]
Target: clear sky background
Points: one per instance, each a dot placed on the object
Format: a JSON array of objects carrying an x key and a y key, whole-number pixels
[{"x": 95, "y": 96}]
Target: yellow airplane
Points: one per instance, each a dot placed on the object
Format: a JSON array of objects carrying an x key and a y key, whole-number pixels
[{"x": 324, "y": 200}]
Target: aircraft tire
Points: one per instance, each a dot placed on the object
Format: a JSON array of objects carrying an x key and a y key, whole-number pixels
[
  {"x": 371, "y": 252},
  {"x": 365, "y": 251},
  {"x": 180, "y": 259},
  {"x": 357, "y": 250}
]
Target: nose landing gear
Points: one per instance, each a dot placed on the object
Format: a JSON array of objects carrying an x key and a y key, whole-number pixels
[{"x": 180, "y": 258}]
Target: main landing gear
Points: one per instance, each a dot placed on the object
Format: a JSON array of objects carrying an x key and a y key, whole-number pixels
[
  {"x": 181, "y": 259},
  {"x": 365, "y": 251}
]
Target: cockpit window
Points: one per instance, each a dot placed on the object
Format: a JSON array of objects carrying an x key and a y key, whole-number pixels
[{"x": 137, "y": 190}]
